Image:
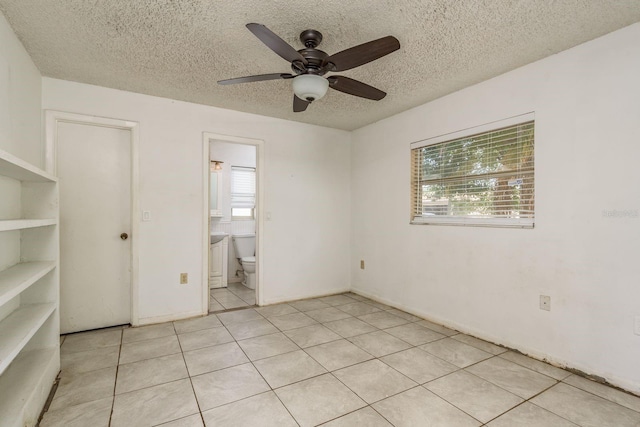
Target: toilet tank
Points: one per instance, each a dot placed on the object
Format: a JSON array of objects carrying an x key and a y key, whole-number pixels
[{"x": 244, "y": 245}]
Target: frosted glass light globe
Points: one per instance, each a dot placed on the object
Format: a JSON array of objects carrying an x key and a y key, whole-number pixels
[{"x": 310, "y": 87}]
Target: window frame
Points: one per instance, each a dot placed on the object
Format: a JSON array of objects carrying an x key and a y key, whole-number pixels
[
  {"x": 252, "y": 216},
  {"x": 468, "y": 220},
  {"x": 243, "y": 217}
]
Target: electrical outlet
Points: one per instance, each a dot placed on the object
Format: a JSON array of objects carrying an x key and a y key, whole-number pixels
[
  {"x": 545, "y": 302},
  {"x": 361, "y": 264},
  {"x": 636, "y": 326},
  {"x": 184, "y": 278}
]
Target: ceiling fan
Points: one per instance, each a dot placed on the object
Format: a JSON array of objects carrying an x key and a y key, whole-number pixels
[{"x": 310, "y": 64}]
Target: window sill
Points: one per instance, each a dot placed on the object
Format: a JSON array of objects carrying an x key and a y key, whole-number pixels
[{"x": 476, "y": 222}]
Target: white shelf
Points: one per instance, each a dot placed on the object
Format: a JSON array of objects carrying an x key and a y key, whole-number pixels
[
  {"x": 16, "y": 279},
  {"x": 25, "y": 385},
  {"x": 29, "y": 350},
  {"x": 18, "y": 328},
  {"x": 21, "y": 224},
  {"x": 13, "y": 167}
]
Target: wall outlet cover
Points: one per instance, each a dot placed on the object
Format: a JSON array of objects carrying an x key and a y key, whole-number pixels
[
  {"x": 362, "y": 264},
  {"x": 184, "y": 278},
  {"x": 545, "y": 302}
]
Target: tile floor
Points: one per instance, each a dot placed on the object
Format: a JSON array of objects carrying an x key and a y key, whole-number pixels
[
  {"x": 235, "y": 295},
  {"x": 341, "y": 360}
]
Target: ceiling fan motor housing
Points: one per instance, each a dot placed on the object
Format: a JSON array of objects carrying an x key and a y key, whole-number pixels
[
  {"x": 315, "y": 62},
  {"x": 311, "y": 38},
  {"x": 314, "y": 57}
]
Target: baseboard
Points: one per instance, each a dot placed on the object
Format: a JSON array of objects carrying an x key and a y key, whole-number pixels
[
  {"x": 456, "y": 326},
  {"x": 170, "y": 317},
  {"x": 531, "y": 352},
  {"x": 301, "y": 297}
]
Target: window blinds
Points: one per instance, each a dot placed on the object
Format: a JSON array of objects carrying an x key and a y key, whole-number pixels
[
  {"x": 243, "y": 187},
  {"x": 486, "y": 178}
]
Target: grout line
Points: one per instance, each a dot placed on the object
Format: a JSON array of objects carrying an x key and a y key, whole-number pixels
[
  {"x": 47, "y": 403},
  {"x": 149, "y": 339},
  {"x": 600, "y": 396},
  {"x": 545, "y": 409},
  {"x": 534, "y": 360},
  {"x": 374, "y": 358},
  {"x": 113, "y": 401},
  {"x": 298, "y": 348},
  {"x": 155, "y": 385},
  {"x": 348, "y": 413},
  {"x": 455, "y": 406},
  {"x": 269, "y": 385},
  {"x": 272, "y": 390},
  {"x": 524, "y": 400},
  {"x": 593, "y": 394},
  {"x": 377, "y": 358},
  {"x": 186, "y": 367},
  {"x": 376, "y": 411}
]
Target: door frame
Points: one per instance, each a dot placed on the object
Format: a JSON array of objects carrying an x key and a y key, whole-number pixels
[
  {"x": 206, "y": 217},
  {"x": 52, "y": 119}
]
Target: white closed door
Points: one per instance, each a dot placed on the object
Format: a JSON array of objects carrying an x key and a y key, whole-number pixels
[{"x": 94, "y": 169}]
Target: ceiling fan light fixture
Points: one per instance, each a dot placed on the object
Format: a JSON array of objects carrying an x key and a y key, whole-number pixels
[{"x": 310, "y": 87}]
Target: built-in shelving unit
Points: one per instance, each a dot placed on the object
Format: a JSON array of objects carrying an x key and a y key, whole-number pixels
[
  {"x": 21, "y": 224},
  {"x": 29, "y": 290},
  {"x": 23, "y": 383},
  {"x": 16, "y": 279}
]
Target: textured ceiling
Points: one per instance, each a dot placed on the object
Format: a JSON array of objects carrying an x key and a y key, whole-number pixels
[{"x": 179, "y": 48}]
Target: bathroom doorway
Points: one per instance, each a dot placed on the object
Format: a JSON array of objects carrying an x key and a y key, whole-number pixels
[{"x": 232, "y": 222}]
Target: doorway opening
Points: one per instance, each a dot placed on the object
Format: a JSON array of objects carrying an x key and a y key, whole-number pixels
[{"x": 233, "y": 222}]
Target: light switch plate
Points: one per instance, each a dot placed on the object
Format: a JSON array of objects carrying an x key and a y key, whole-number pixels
[{"x": 146, "y": 215}]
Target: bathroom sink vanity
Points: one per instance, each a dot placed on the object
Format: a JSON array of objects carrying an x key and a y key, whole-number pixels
[{"x": 218, "y": 260}]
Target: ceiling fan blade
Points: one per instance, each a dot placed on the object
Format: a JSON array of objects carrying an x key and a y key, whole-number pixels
[
  {"x": 257, "y": 78},
  {"x": 299, "y": 105},
  {"x": 275, "y": 43},
  {"x": 354, "y": 87},
  {"x": 362, "y": 54}
]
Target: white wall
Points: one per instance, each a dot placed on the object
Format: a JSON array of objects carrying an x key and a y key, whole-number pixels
[
  {"x": 487, "y": 281},
  {"x": 20, "y": 90},
  {"x": 306, "y": 244}
]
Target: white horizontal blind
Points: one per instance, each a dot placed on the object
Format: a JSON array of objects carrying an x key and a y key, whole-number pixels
[
  {"x": 243, "y": 187},
  {"x": 485, "y": 178}
]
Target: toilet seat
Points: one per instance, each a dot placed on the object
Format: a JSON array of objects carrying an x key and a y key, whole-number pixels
[{"x": 248, "y": 259}]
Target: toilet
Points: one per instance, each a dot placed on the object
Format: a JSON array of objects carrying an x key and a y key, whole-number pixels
[{"x": 245, "y": 249}]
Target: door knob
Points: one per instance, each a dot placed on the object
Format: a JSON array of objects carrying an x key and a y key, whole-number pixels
[{"x": 124, "y": 236}]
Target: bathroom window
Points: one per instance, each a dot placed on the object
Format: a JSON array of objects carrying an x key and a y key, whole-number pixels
[
  {"x": 242, "y": 213},
  {"x": 483, "y": 176},
  {"x": 243, "y": 193}
]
